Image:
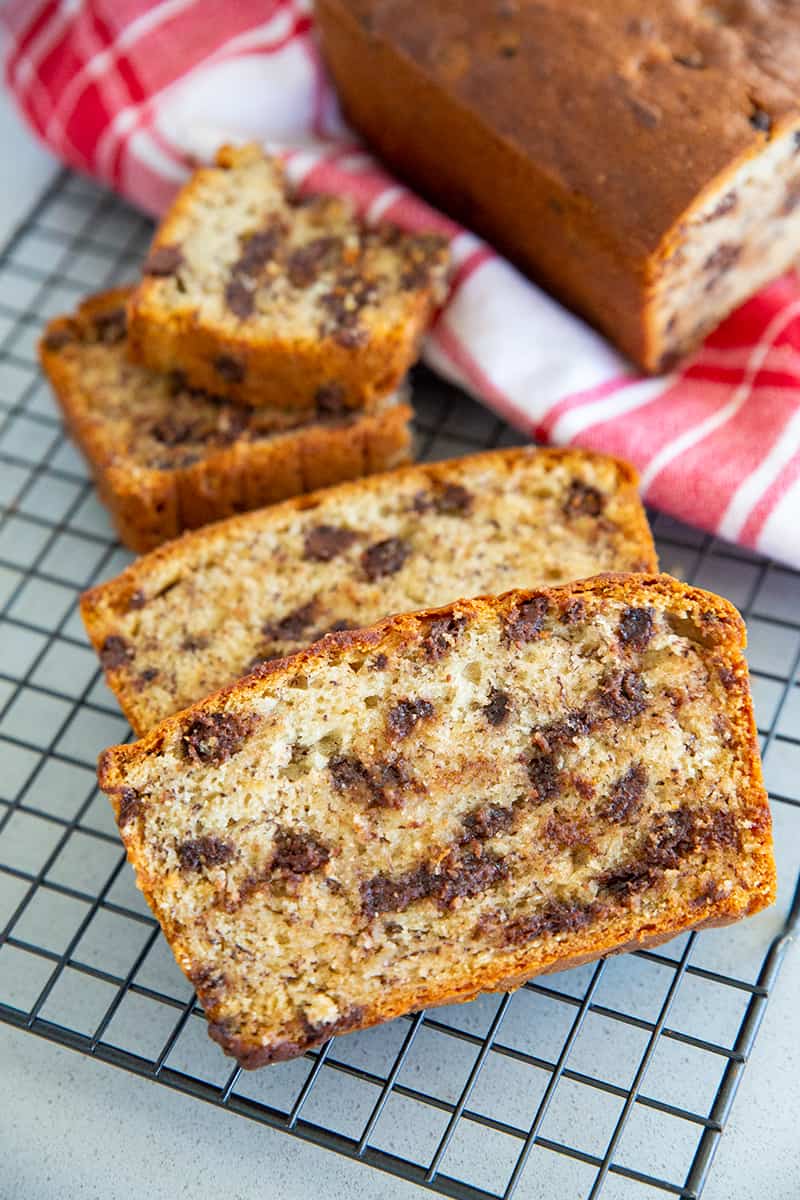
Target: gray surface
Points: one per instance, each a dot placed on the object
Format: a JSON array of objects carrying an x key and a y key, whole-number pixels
[{"x": 78, "y": 1128}]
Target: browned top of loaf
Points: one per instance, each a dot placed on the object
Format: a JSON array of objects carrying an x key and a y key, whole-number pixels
[
  {"x": 634, "y": 108},
  {"x": 135, "y": 418}
]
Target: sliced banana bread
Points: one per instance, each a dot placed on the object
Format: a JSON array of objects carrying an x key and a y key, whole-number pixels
[
  {"x": 196, "y": 614},
  {"x": 449, "y": 802},
  {"x": 272, "y": 299},
  {"x": 167, "y": 457}
]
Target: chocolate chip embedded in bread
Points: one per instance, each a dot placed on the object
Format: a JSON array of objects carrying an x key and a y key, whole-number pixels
[
  {"x": 486, "y": 821},
  {"x": 583, "y": 500},
  {"x": 553, "y": 917},
  {"x": 298, "y": 853},
  {"x": 636, "y": 628},
  {"x": 293, "y": 625},
  {"x": 623, "y": 695},
  {"x": 402, "y": 718},
  {"x": 307, "y": 262},
  {"x": 196, "y": 853},
  {"x": 136, "y": 600},
  {"x": 496, "y": 709},
  {"x": 215, "y": 737},
  {"x": 163, "y": 261},
  {"x": 524, "y": 623},
  {"x": 441, "y": 636},
  {"x": 545, "y": 776},
  {"x": 384, "y": 558},
  {"x": 626, "y": 795},
  {"x": 326, "y": 542},
  {"x": 229, "y": 368},
  {"x": 115, "y": 652},
  {"x": 240, "y": 298},
  {"x": 129, "y": 804},
  {"x": 57, "y": 339}
]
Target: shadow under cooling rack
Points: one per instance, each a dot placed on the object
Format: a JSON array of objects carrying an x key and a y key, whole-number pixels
[{"x": 617, "y": 1077}]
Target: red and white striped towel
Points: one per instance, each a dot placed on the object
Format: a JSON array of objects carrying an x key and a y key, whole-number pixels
[{"x": 135, "y": 92}]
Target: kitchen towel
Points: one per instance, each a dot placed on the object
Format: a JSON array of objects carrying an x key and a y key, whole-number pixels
[{"x": 134, "y": 93}]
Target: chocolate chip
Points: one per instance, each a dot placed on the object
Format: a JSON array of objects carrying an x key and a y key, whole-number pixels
[
  {"x": 625, "y": 797},
  {"x": 307, "y": 262},
  {"x": 229, "y": 368},
  {"x": 293, "y": 625},
  {"x": 215, "y": 737},
  {"x": 574, "y": 612},
  {"x": 384, "y": 558},
  {"x": 326, "y": 542},
  {"x": 330, "y": 399},
  {"x": 115, "y": 652},
  {"x": 170, "y": 431},
  {"x": 136, "y": 600},
  {"x": 341, "y": 626},
  {"x": 57, "y": 339},
  {"x": 381, "y": 786},
  {"x": 468, "y": 875},
  {"x": 496, "y": 710},
  {"x": 111, "y": 327},
  {"x": 298, "y": 853},
  {"x": 197, "y": 853},
  {"x": 636, "y": 628},
  {"x": 486, "y": 821},
  {"x": 454, "y": 499},
  {"x": 624, "y": 695},
  {"x": 761, "y": 120},
  {"x": 163, "y": 261},
  {"x": 524, "y": 623},
  {"x": 442, "y": 632},
  {"x": 406, "y": 714},
  {"x": 130, "y": 802},
  {"x": 240, "y": 298},
  {"x": 545, "y": 777},
  {"x": 149, "y": 674},
  {"x": 723, "y": 258},
  {"x": 726, "y": 205},
  {"x": 555, "y": 917},
  {"x": 379, "y": 662},
  {"x": 727, "y": 676},
  {"x": 583, "y": 500},
  {"x": 386, "y": 893}
]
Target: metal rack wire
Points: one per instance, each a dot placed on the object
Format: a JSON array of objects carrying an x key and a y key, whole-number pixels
[{"x": 616, "y": 1078}]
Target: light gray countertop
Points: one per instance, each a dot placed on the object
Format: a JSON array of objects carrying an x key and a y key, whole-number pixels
[{"x": 71, "y": 1127}]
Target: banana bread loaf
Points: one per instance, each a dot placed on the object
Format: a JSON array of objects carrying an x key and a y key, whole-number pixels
[
  {"x": 269, "y": 299},
  {"x": 196, "y": 614},
  {"x": 640, "y": 160},
  {"x": 366, "y": 828},
  {"x": 167, "y": 457}
]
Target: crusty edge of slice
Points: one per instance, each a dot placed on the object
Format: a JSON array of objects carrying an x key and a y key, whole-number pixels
[
  {"x": 282, "y": 372},
  {"x": 725, "y": 630},
  {"x": 149, "y": 507},
  {"x": 99, "y": 605}
]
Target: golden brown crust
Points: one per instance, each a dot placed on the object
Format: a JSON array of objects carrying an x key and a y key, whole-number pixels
[
  {"x": 102, "y": 606},
  {"x": 282, "y": 371},
  {"x": 589, "y": 184},
  {"x": 721, "y": 629},
  {"x": 150, "y": 506}
]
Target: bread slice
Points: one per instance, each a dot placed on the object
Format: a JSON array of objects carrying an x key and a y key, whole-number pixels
[
  {"x": 450, "y": 802},
  {"x": 167, "y": 457},
  {"x": 271, "y": 299},
  {"x": 196, "y": 614}
]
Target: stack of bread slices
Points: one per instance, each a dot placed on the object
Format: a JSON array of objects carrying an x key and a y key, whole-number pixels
[{"x": 404, "y": 738}]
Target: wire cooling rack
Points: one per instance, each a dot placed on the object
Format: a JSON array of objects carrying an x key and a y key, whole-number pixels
[{"x": 617, "y": 1077}]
